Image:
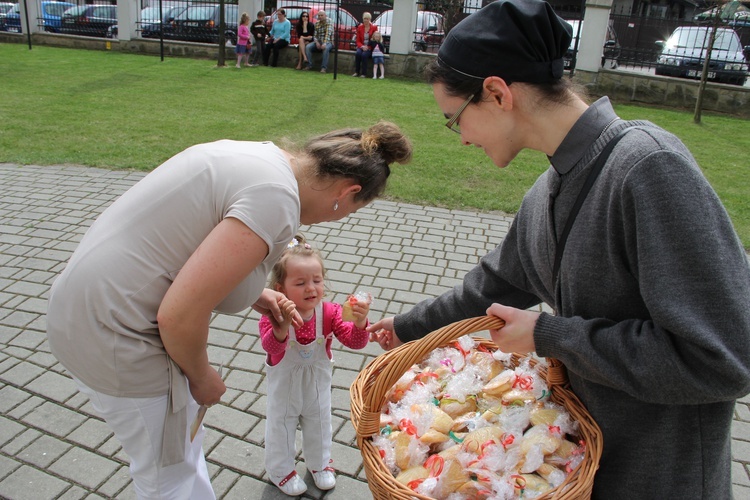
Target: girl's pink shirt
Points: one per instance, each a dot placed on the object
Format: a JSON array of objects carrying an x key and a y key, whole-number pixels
[
  {"x": 345, "y": 331},
  {"x": 243, "y": 34}
]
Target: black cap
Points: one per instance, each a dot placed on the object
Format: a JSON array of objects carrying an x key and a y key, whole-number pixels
[{"x": 518, "y": 40}]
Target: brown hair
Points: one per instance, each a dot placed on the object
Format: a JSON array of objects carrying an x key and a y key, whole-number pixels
[
  {"x": 298, "y": 247},
  {"x": 361, "y": 155},
  {"x": 245, "y": 17}
]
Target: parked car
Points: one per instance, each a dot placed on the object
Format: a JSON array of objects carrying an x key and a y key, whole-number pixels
[
  {"x": 52, "y": 13},
  {"x": 148, "y": 22},
  {"x": 428, "y": 32},
  {"x": 343, "y": 21},
  {"x": 684, "y": 52},
  {"x": 5, "y": 7},
  {"x": 50, "y": 17},
  {"x": 610, "y": 51},
  {"x": 89, "y": 20},
  {"x": 200, "y": 23},
  {"x": 10, "y": 18}
]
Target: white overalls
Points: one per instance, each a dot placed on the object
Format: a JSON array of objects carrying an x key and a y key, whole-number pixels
[{"x": 299, "y": 390}]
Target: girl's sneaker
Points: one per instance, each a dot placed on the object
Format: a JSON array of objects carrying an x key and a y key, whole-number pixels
[
  {"x": 382, "y": 77},
  {"x": 292, "y": 485},
  {"x": 324, "y": 479}
]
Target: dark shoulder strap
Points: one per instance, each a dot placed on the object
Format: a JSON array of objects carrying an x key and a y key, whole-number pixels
[{"x": 593, "y": 174}]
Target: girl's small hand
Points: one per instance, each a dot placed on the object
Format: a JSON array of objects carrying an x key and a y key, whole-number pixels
[
  {"x": 288, "y": 310},
  {"x": 268, "y": 305},
  {"x": 518, "y": 333},
  {"x": 360, "y": 311}
]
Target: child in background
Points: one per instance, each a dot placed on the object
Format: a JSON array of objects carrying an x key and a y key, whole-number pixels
[
  {"x": 298, "y": 367},
  {"x": 259, "y": 31},
  {"x": 378, "y": 55},
  {"x": 243, "y": 37}
]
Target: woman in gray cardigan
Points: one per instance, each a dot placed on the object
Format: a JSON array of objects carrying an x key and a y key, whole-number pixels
[{"x": 651, "y": 298}]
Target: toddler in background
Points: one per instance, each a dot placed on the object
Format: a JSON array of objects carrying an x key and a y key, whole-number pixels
[
  {"x": 378, "y": 55},
  {"x": 243, "y": 47},
  {"x": 298, "y": 367}
]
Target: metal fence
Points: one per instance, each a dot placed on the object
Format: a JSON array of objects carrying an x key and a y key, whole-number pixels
[{"x": 631, "y": 41}]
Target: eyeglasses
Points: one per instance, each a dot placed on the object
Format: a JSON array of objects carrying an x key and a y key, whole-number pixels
[{"x": 453, "y": 124}]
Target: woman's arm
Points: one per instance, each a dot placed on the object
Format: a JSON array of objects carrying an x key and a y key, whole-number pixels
[{"x": 225, "y": 258}]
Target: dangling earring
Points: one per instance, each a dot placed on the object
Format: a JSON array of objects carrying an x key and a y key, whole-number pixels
[{"x": 336, "y": 205}]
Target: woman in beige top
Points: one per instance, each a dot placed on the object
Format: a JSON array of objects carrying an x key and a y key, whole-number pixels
[{"x": 129, "y": 315}]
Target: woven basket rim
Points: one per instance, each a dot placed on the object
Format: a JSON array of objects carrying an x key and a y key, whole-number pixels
[{"x": 371, "y": 386}]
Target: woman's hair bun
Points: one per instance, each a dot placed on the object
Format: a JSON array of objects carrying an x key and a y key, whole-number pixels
[{"x": 385, "y": 138}]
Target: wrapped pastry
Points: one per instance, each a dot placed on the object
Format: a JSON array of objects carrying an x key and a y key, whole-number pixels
[
  {"x": 346, "y": 307},
  {"x": 544, "y": 415},
  {"x": 500, "y": 384},
  {"x": 539, "y": 435},
  {"x": 412, "y": 474},
  {"x": 552, "y": 474},
  {"x": 535, "y": 485},
  {"x": 437, "y": 418},
  {"x": 434, "y": 437},
  {"x": 453, "y": 477},
  {"x": 455, "y": 408},
  {"x": 488, "y": 365},
  {"x": 474, "y": 440},
  {"x": 401, "y": 442},
  {"x": 518, "y": 397}
]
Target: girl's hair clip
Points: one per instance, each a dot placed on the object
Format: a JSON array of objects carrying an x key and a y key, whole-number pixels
[{"x": 295, "y": 243}]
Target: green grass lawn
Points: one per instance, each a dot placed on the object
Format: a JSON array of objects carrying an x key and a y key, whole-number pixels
[{"x": 116, "y": 110}]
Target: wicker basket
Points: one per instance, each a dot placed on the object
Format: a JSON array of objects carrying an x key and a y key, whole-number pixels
[{"x": 371, "y": 387}]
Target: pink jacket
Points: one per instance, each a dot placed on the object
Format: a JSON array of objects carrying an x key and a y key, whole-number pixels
[
  {"x": 243, "y": 35},
  {"x": 345, "y": 331}
]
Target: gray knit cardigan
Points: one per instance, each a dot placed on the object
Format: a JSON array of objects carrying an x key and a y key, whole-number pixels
[{"x": 652, "y": 309}]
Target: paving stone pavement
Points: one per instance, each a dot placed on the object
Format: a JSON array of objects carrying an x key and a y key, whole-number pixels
[{"x": 52, "y": 444}]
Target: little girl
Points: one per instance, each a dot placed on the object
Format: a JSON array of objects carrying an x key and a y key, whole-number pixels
[
  {"x": 378, "y": 55},
  {"x": 299, "y": 369},
  {"x": 243, "y": 37}
]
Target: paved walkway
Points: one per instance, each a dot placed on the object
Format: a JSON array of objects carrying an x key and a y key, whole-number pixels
[{"x": 52, "y": 446}]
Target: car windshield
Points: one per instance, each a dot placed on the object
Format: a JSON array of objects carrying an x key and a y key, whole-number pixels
[
  {"x": 385, "y": 20},
  {"x": 76, "y": 11},
  {"x": 105, "y": 11},
  {"x": 150, "y": 15},
  {"x": 429, "y": 21},
  {"x": 198, "y": 13},
  {"x": 699, "y": 37},
  {"x": 56, "y": 9}
]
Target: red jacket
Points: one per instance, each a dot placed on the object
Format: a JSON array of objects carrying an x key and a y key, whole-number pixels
[{"x": 361, "y": 33}]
